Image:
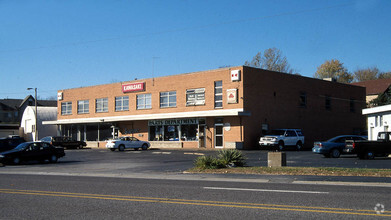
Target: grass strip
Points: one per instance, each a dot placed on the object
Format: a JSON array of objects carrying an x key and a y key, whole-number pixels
[{"x": 315, "y": 171}]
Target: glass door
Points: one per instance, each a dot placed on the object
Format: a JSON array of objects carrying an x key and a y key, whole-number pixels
[{"x": 219, "y": 136}]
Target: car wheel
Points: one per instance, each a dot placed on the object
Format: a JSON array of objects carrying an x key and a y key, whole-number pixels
[
  {"x": 53, "y": 159},
  {"x": 335, "y": 153},
  {"x": 144, "y": 147},
  {"x": 16, "y": 160},
  {"x": 80, "y": 146},
  {"x": 299, "y": 145},
  {"x": 112, "y": 149},
  {"x": 369, "y": 155},
  {"x": 121, "y": 147},
  {"x": 281, "y": 145}
]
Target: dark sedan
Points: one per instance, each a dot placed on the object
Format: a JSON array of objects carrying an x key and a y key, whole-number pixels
[
  {"x": 29, "y": 151},
  {"x": 65, "y": 142},
  {"x": 334, "y": 146}
]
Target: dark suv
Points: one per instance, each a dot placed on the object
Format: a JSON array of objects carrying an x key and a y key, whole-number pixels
[
  {"x": 10, "y": 142},
  {"x": 65, "y": 142}
]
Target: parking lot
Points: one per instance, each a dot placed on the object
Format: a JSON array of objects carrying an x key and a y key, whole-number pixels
[{"x": 175, "y": 161}]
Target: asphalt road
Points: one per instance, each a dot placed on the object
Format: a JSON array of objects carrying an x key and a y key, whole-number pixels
[
  {"x": 177, "y": 161},
  {"x": 76, "y": 197}
]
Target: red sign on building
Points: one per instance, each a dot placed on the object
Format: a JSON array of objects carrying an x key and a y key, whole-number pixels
[{"x": 133, "y": 87}]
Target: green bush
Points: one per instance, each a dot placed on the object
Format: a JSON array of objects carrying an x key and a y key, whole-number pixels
[
  {"x": 225, "y": 158},
  {"x": 208, "y": 162},
  {"x": 232, "y": 157}
]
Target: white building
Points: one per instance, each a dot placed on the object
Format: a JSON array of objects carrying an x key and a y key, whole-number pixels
[
  {"x": 379, "y": 119},
  {"x": 28, "y": 123}
]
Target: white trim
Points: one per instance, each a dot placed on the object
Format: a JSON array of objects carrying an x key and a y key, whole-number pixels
[
  {"x": 210, "y": 113},
  {"x": 374, "y": 110}
]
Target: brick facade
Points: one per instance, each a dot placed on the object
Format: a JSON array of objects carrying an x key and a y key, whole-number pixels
[{"x": 264, "y": 98}]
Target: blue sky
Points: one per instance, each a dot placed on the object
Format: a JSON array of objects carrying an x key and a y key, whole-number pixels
[{"x": 55, "y": 45}]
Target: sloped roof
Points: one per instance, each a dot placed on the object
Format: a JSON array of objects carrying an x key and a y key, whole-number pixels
[
  {"x": 15, "y": 104},
  {"x": 375, "y": 87}
]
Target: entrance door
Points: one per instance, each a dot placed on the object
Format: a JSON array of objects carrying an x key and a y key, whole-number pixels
[{"x": 219, "y": 138}]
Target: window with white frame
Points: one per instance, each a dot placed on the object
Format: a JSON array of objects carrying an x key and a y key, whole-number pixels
[
  {"x": 218, "y": 94},
  {"x": 144, "y": 101},
  {"x": 102, "y": 105},
  {"x": 122, "y": 103},
  {"x": 66, "y": 108},
  {"x": 168, "y": 99},
  {"x": 83, "y": 106}
]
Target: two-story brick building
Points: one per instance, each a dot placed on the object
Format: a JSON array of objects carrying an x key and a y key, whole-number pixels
[{"x": 222, "y": 108}]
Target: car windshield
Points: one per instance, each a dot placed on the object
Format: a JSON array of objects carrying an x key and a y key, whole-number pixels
[
  {"x": 277, "y": 132},
  {"x": 22, "y": 146}
]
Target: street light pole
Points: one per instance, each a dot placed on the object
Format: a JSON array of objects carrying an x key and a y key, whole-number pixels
[{"x": 36, "y": 114}]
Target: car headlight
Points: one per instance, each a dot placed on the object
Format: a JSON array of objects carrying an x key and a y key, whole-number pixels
[{"x": 1, "y": 156}]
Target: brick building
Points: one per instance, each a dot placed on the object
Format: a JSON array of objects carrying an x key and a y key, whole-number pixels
[{"x": 222, "y": 108}]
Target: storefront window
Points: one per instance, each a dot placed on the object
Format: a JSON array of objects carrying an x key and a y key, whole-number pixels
[
  {"x": 174, "y": 129},
  {"x": 171, "y": 133},
  {"x": 189, "y": 132}
]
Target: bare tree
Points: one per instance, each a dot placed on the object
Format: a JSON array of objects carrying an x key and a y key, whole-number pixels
[{"x": 272, "y": 59}]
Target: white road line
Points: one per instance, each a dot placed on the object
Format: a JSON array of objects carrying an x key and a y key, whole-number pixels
[
  {"x": 200, "y": 154},
  {"x": 266, "y": 190},
  {"x": 161, "y": 152}
]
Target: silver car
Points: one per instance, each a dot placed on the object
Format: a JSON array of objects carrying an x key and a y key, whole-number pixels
[{"x": 125, "y": 142}]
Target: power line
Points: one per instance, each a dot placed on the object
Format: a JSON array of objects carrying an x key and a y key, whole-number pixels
[{"x": 177, "y": 30}]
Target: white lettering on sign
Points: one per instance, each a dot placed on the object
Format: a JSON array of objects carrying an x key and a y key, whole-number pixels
[{"x": 133, "y": 87}]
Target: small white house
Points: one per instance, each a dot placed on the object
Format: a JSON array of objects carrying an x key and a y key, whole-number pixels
[
  {"x": 379, "y": 119},
  {"x": 28, "y": 123}
]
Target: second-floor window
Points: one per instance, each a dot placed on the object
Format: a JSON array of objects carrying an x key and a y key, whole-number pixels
[
  {"x": 83, "y": 106},
  {"x": 168, "y": 99},
  {"x": 218, "y": 94},
  {"x": 66, "y": 108},
  {"x": 144, "y": 101},
  {"x": 102, "y": 105},
  {"x": 303, "y": 100},
  {"x": 328, "y": 103},
  {"x": 122, "y": 103}
]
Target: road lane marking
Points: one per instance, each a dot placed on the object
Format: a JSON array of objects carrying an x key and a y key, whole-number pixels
[
  {"x": 161, "y": 152},
  {"x": 199, "y": 154},
  {"x": 198, "y": 202},
  {"x": 266, "y": 190}
]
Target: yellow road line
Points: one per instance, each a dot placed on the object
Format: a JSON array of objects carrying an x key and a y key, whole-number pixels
[{"x": 197, "y": 202}]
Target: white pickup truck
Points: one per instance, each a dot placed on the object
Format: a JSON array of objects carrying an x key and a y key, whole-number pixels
[{"x": 282, "y": 138}]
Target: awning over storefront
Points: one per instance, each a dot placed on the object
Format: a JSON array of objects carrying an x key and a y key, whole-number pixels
[{"x": 210, "y": 113}]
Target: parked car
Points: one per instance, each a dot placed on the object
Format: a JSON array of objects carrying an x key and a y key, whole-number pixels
[
  {"x": 28, "y": 151},
  {"x": 125, "y": 142},
  {"x": 334, "y": 147},
  {"x": 65, "y": 142},
  {"x": 10, "y": 142},
  {"x": 370, "y": 149},
  {"x": 282, "y": 138}
]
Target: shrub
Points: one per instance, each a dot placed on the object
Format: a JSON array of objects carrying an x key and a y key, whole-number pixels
[
  {"x": 231, "y": 157},
  {"x": 208, "y": 162},
  {"x": 225, "y": 158}
]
